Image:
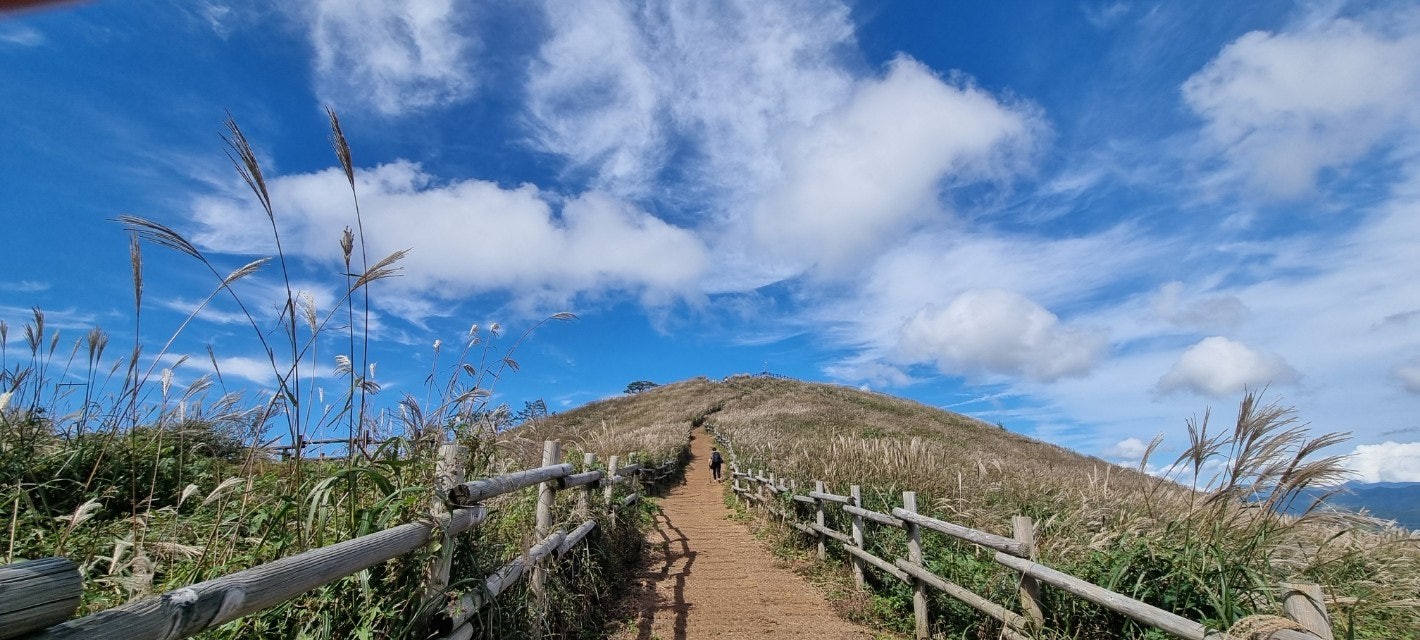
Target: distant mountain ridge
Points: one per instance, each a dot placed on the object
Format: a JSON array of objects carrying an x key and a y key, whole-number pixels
[{"x": 1398, "y": 501}]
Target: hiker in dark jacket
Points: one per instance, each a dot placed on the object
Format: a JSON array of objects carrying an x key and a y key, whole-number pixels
[{"x": 715, "y": 461}]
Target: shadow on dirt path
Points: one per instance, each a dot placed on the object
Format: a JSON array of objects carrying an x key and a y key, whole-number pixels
[{"x": 705, "y": 577}]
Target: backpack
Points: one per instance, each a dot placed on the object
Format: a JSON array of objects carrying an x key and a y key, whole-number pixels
[{"x": 715, "y": 457}]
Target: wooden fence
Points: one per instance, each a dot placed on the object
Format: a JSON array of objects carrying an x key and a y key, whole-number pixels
[
  {"x": 183, "y": 612},
  {"x": 1303, "y": 603}
]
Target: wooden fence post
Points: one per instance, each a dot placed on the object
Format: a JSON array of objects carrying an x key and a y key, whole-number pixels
[
  {"x": 584, "y": 498},
  {"x": 818, "y": 518},
  {"x": 448, "y": 473},
  {"x": 1023, "y": 530},
  {"x": 914, "y": 556},
  {"x": 1304, "y": 604},
  {"x": 857, "y": 494},
  {"x": 773, "y": 496},
  {"x": 635, "y": 475},
  {"x": 546, "y": 498}
]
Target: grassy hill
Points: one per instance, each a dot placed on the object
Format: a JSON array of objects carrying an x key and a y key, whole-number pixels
[{"x": 1213, "y": 555}]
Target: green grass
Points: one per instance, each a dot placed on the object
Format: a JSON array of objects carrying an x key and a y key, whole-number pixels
[{"x": 150, "y": 486}]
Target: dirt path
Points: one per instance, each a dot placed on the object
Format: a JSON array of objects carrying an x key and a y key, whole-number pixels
[{"x": 707, "y": 578}]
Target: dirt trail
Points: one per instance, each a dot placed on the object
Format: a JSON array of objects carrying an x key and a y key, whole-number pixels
[{"x": 707, "y": 578}]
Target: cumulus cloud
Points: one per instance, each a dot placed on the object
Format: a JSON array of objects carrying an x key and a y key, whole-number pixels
[
  {"x": 866, "y": 170},
  {"x": 1127, "y": 450},
  {"x": 393, "y": 57},
  {"x": 1283, "y": 106},
  {"x": 1408, "y": 373},
  {"x": 1220, "y": 367},
  {"x": 999, "y": 332},
  {"x": 1386, "y": 462},
  {"x": 1203, "y": 313},
  {"x": 466, "y": 236}
]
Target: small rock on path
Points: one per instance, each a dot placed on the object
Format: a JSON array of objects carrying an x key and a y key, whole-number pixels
[{"x": 707, "y": 578}]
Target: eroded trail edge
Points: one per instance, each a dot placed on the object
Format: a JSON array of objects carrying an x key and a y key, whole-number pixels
[{"x": 707, "y": 578}]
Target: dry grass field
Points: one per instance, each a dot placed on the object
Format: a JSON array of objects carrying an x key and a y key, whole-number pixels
[{"x": 1215, "y": 553}]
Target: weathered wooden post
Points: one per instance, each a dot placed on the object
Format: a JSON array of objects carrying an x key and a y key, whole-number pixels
[
  {"x": 448, "y": 473},
  {"x": 1023, "y": 530},
  {"x": 37, "y": 594},
  {"x": 856, "y": 492},
  {"x": 609, "y": 487},
  {"x": 914, "y": 556},
  {"x": 820, "y": 487},
  {"x": 546, "y": 499},
  {"x": 1304, "y": 604},
  {"x": 584, "y": 497},
  {"x": 635, "y": 475}
]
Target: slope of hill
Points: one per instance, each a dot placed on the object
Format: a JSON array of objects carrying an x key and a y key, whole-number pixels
[{"x": 1211, "y": 557}]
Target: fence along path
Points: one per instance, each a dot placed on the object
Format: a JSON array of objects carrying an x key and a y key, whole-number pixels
[
  {"x": 705, "y": 577},
  {"x": 1303, "y": 603},
  {"x": 187, "y": 611}
]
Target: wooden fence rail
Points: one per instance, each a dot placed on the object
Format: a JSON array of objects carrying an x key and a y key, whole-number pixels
[
  {"x": 37, "y": 594},
  {"x": 1015, "y": 553},
  {"x": 184, "y": 612}
]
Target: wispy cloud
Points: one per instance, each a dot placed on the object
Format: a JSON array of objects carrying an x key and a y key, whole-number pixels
[
  {"x": 24, "y": 286},
  {"x": 17, "y": 35},
  {"x": 393, "y": 57},
  {"x": 1282, "y": 107},
  {"x": 622, "y": 87}
]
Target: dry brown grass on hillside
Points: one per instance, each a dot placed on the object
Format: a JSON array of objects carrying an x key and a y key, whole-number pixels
[{"x": 1213, "y": 556}]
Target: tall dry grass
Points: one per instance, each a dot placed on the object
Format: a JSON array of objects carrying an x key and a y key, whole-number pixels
[{"x": 1214, "y": 551}]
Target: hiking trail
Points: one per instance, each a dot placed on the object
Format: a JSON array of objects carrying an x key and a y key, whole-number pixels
[{"x": 706, "y": 577}]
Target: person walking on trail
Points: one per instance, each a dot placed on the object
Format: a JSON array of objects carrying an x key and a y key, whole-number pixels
[{"x": 716, "y": 460}]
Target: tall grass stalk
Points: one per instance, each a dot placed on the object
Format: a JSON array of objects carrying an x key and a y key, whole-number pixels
[{"x": 151, "y": 484}]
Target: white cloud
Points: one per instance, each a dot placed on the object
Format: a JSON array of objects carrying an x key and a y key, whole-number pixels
[
  {"x": 466, "y": 236},
  {"x": 392, "y": 56},
  {"x": 1386, "y": 462},
  {"x": 1128, "y": 450},
  {"x": 1283, "y": 106},
  {"x": 1408, "y": 373},
  {"x": 617, "y": 85},
  {"x": 21, "y": 36},
  {"x": 1202, "y": 313},
  {"x": 874, "y": 373},
  {"x": 999, "y": 332},
  {"x": 249, "y": 369},
  {"x": 1221, "y": 367},
  {"x": 24, "y": 286},
  {"x": 864, "y": 172}
]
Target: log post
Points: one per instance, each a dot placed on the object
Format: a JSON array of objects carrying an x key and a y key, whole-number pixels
[
  {"x": 773, "y": 496},
  {"x": 818, "y": 519},
  {"x": 1304, "y": 604},
  {"x": 584, "y": 497},
  {"x": 1023, "y": 530},
  {"x": 36, "y": 594},
  {"x": 914, "y": 556},
  {"x": 448, "y": 473},
  {"x": 635, "y": 476},
  {"x": 546, "y": 498},
  {"x": 856, "y": 492}
]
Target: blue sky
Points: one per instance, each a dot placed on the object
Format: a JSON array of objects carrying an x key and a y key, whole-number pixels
[{"x": 1086, "y": 221}]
